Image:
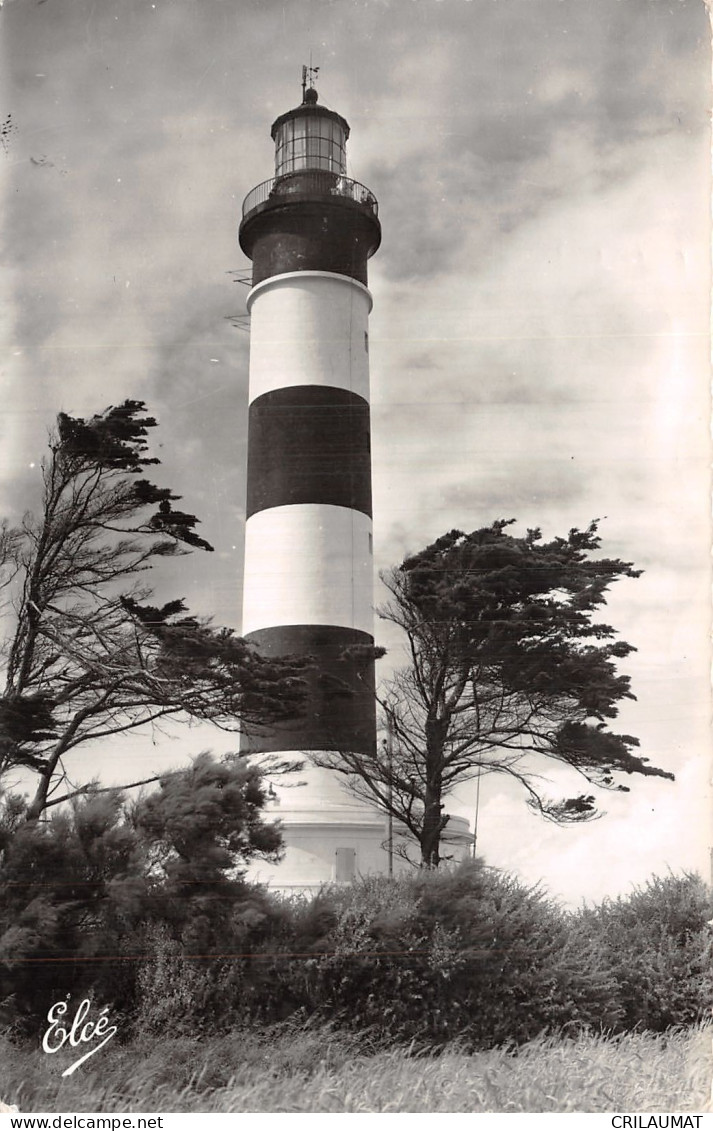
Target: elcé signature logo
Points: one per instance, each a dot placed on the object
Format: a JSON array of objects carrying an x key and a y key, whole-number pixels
[{"x": 80, "y": 1032}]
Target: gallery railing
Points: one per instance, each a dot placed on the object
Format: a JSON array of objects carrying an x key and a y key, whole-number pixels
[{"x": 308, "y": 183}]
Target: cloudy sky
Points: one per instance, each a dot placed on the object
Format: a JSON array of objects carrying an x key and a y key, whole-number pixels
[{"x": 539, "y": 343}]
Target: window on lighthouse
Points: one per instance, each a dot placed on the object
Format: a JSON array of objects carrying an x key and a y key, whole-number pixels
[
  {"x": 310, "y": 141},
  {"x": 345, "y": 869}
]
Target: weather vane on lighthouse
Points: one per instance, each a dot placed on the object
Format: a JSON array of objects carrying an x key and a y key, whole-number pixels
[{"x": 309, "y": 75}]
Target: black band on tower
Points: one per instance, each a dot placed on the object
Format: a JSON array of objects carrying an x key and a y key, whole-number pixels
[
  {"x": 309, "y": 444},
  {"x": 310, "y": 234},
  {"x": 341, "y": 711}
]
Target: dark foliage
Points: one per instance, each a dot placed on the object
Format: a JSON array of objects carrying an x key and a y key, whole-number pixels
[
  {"x": 658, "y": 945},
  {"x": 83, "y": 894},
  {"x": 464, "y": 954},
  {"x": 88, "y": 654},
  {"x": 508, "y": 670}
]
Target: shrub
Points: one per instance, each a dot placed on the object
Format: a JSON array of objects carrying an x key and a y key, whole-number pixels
[
  {"x": 178, "y": 993},
  {"x": 69, "y": 890},
  {"x": 658, "y": 946},
  {"x": 467, "y": 953},
  {"x": 77, "y": 890}
]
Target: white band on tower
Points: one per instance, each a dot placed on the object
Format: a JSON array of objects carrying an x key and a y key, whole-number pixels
[
  {"x": 308, "y": 563},
  {"x": 307, "y": 328}
]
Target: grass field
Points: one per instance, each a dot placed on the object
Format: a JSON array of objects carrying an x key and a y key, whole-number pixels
[{"x": 314, "y": 1070}]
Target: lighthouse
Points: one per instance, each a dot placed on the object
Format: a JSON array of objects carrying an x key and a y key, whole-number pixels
[{"x": 308, "y": 583}]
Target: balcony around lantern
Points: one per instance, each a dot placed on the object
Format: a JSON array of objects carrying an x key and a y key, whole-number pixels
[{"x": 308, "y": 185}]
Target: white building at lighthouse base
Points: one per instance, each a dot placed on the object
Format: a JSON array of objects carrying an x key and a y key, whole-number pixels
[{"x": 331, "y": 837}]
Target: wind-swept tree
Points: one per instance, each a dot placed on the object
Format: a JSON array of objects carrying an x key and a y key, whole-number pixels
[
  {"x": 86, "y": 655},
  {"x": 100, "y": 877},
  {"x": 508, "y": 670}
]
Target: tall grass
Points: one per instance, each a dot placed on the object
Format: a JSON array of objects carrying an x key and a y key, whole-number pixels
[{"x": 310, "y": 1069}]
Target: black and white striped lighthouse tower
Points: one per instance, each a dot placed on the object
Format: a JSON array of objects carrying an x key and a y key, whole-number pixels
[{"x": 308, "y": 585}]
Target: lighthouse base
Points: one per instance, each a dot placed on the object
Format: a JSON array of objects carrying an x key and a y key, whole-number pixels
[{"x": 330, "y": 837}]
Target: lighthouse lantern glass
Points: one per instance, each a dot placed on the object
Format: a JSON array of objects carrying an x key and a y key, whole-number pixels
[{"x": 310, "y": 141}]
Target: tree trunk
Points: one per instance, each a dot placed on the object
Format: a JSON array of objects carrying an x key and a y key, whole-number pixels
[
  {"x": 37, "y": 805},
  {"x": 433, "y": 823},
  {"x": 431, "y": 833}
]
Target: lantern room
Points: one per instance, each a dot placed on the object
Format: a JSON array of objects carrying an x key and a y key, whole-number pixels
[
  {"x": 310, "y": 216},
  {"x": 310, "y": 137}
]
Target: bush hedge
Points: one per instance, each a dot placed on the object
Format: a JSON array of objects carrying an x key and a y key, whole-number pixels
[
  {"x": 465, "y": 953},
  {"x": 468, "y": 953},
  {"x": 659, "y": 948},
  {"x": 181, "y": 943}
]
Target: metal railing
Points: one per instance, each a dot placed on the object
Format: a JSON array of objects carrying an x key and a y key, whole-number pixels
[{"x": 309, "y": 183}]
